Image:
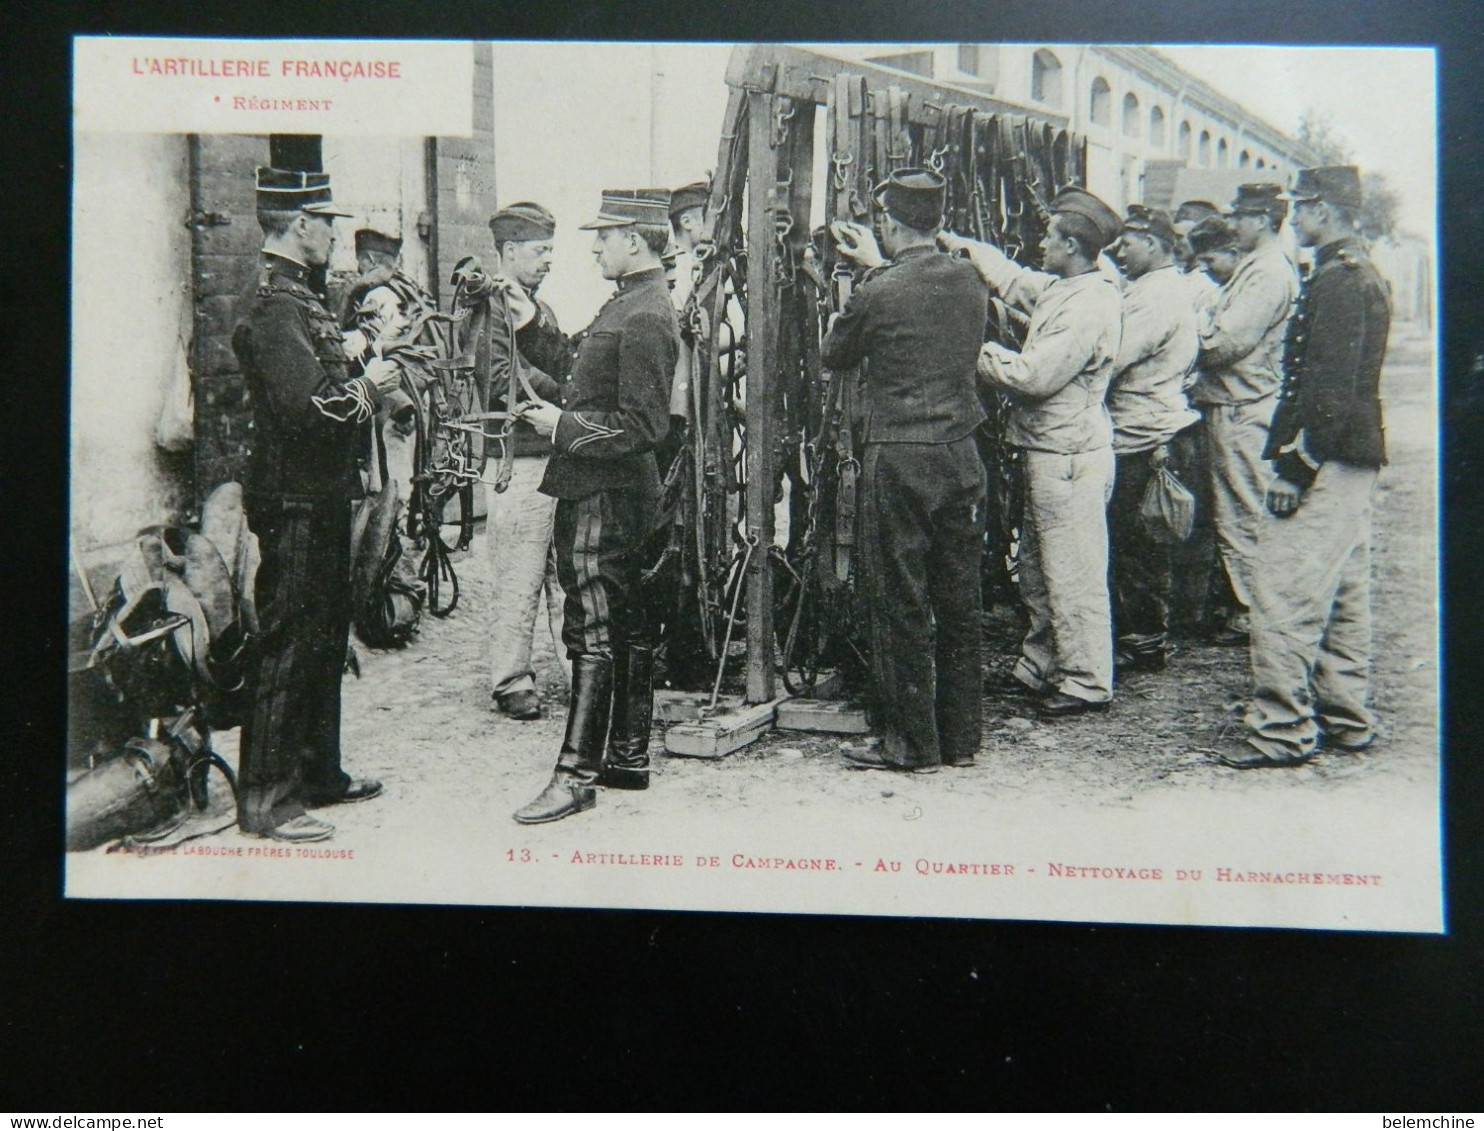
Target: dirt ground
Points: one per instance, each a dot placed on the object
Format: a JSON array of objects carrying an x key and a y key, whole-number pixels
[{"x": 419, "y": 719}]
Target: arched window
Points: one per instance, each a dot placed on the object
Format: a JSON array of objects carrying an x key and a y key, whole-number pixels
[
  {"x": 1157, "y": 127},
  {"x": 1182, "y": 141},
  {"x": 1261, "y": 164},
  {"x": 1245, "y": 160},
  {"x": 1100, "y": 105},
  {"x": 1222, "y": 159},
  {"x": 1131, "y": 115},
  {"x": 1046, "y": 78},
  {"x": 1203, "y": 149}
]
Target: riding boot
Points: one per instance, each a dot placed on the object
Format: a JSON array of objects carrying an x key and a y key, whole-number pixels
[
  {"x": 571, "y": 789},
  {"x": 626, "y": 764}
]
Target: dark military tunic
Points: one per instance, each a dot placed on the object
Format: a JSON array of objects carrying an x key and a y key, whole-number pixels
[
  {"x": 308, "y": 417},
  {"x": 918, "y": 325},
  {"x": 1330, "y": 404},
  {"x": 602, "y": 470}
]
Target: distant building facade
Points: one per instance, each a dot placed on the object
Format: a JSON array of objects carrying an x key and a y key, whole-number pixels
[{"x": 1144, "y": 117}]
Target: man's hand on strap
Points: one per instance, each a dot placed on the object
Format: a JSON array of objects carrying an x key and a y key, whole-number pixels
[{"x": 540, "y": 415}]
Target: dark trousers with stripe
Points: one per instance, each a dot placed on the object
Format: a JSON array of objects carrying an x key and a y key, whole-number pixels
[
  {"x": 291, "y": 736},
  {"x": 922, "y": 535},
  {"x": 1142, "y": 577},
  {"x": 600, "y": 542}
]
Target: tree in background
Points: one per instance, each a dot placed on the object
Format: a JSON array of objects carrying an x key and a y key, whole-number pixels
[{"x": 1330, "y": 147}]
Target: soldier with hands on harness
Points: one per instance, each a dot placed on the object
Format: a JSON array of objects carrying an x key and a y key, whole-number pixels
[
  {"x": 518, "y": 526},
  {"x": 309, "y": 418},
  {"x": 1056, "y": 384},
  {"x": 916, "y": 324},
  {"x": 603, "y": 475}
]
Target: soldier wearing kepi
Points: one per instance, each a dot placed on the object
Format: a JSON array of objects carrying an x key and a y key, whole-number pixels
[
  {"x": 1202, "y": 597},
  {"x": 519, "y": 520},
  {"x": 1056, "y": 385},
  {"x": 1240, "y": 369},
  {"x": 309, "y": 415},
  {"x": 918, "y": 325},
  {"x": 1311, "y": 619},
  {"x": 603, "y": 475},
  {"x": 1146, "y": 400},
  {"x": 1201, "y": 288},
  {"x": 1214, "y": 250},
  {"x": 688, "y": 216}
]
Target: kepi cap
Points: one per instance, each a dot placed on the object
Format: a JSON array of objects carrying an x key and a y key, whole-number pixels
[
  {"x": 1260, "y": 199},
  {"x": 1214, "y": 233},
  {"x": 914, "y": 197},
  {"x": 369, "y": 239},
  {"x": 694, "y": 195},
  {"x": 621, "y": 207},
  {"x": 1155, "y": 221},
  {"x": 1337, "y": 184},
  {"x": 293, "y": 190},
  {"x": 521, "y": 222},
  {"x": 1080, "y": 202},
  {"x": 1194, "y": 211}
]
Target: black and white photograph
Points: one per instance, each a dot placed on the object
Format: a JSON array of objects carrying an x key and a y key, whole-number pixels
[{"x": 967, "y": 480}]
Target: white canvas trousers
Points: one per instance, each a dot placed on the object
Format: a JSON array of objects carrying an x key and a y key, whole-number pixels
[
  {"x": 1239, "y": 483},
  {"x": 518, "y": 529},
  {"x": 1064, "y": 575},
  {"x": 1311, "y": 618}
]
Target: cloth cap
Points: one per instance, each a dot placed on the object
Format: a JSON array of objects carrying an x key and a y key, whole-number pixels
[
  {"x": 369, "y": 239},
  {"x": 1193, "y": 211},
  {"x": 1337, "y": 184},
  {"x": 621, "y": 207},
  {"x": 1080, "y": 202},
  {"x": 1261, "y": 199},
  {"x": 696, "y": 195},
  {"x": 292, "y": 190},
  {"x": 1155, "y": 221},
  {"x": 915, "y": 197},
  {"x": 1214, "y": 233},
  {"x": 521, "y": 222}
]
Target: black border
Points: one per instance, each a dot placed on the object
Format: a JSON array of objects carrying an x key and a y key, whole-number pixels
[{"x": 112, "y": 1006}]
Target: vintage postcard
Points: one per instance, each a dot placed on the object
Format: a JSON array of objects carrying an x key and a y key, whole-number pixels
[{"x": 546, "y": 447}]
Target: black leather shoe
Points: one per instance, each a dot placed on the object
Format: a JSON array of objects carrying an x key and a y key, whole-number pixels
[
  {"x": 561, "y": 798},
  {"x": 1126, "y": 661},
  {"x": 868, "y": 758},
  {"x": 521, "y": 705},
  {"x": 302, "y": 829},
  {"x": 1346, "y": 745},
  {"x": 1005, "y": 684},
  {"x": 1244, "y": 756},
  {"x": 362, "y": 789},
  {"x": 1060, "y": 706}
]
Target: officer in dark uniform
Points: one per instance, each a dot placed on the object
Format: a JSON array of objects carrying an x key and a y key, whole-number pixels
[
  {"x": 309, "y": 417},
  {"x": 1311, "y": 617},
  {"x": 603, "y": 475},
  {"x": 918, "y": 324}
]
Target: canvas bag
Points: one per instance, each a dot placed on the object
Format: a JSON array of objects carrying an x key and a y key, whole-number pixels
[{"x": 1167, "y": 509}]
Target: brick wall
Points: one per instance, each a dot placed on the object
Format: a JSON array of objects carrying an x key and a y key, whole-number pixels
[
  {"x": 464, "y": 172},
  {"x": 223, "y": 261}
]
